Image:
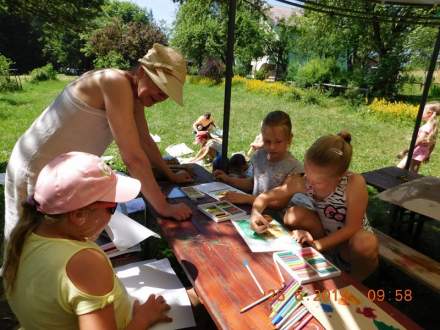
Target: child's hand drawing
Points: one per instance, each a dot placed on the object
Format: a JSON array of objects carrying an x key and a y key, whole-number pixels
[
  {"x": 302, "y": 236},
  {"x": 260, "y": 223}
]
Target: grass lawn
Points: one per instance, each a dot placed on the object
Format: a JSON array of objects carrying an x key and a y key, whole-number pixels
[{"x": 376, "y": 138}]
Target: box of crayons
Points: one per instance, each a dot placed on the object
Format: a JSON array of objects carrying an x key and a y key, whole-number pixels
[
  {"x": 221, "y": 211},
  {"x": 306, "y": 265}
]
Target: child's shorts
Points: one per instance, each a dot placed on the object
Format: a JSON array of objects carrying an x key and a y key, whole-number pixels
[{"x": 302, "y": 200}]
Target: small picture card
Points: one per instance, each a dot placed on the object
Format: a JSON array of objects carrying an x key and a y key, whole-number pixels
[
  {"x": 221, "y": 211},
  {"x": 192, "y": 193}
]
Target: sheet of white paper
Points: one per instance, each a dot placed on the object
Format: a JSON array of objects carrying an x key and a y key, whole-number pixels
[
  {"x": 2, "y": 178},
  {"x": 156, "y": 138},
  {"x": 106, "y": 158},
  {"x": 177, "y": 150},
  {"x": 278, "y": 239},
  {"x": 125, "y": 232},
  {"x": 144, "y": 278}
]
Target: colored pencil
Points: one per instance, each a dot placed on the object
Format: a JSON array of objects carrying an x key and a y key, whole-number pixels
[
  {"x": 281, "y": 303},
  {"x": 246, "y": 264},
  {"x": 306, "y": 319},
  {"x": 286, "y": 308},
  {"x": 294, "y": 312},
  {"x": 279, "y": 272},
  {"x": 295, "y": 319},
  {"x": 255, "y": 303}
]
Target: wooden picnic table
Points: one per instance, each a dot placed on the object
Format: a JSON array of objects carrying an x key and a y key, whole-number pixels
[
  {"x": 388, "y": 177},
  {"x": 212, "y": 256}
]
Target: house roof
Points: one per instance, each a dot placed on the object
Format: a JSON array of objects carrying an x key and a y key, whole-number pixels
[{"x": 277, "y": 13}]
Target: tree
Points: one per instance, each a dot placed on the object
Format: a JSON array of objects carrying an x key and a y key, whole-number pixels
[
  {"x": 360, "y": 43},
  {"x": 200, "y": 30},
  {"x": 40, "y": 28}
]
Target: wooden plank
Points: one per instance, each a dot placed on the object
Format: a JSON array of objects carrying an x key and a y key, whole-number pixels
[
  {"x": 411, "y": 262},
  {"x": 388, "y": 177}
]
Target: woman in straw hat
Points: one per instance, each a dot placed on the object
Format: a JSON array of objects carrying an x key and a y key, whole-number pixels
[{"x": 92, "y": 111}]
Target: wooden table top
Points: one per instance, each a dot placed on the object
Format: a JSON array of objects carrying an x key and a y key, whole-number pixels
[
  {"x": 212, "y": 256},
  {"x": 420, "y": 195},
  {"x": 388, "y": 177}
]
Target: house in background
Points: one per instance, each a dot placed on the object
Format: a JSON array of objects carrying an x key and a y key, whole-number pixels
[{"x": 276, "y": 14}]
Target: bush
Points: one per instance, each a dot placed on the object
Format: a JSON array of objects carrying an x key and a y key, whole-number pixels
[
  {"x": 394, "y": 109},
  {"x": 205, "y": 81},
  {"x": 312, "y": 96},
  {"x": 292, "y": 71},
  {"x": 434, "y": 91},
  {"x": 318, "y": 71},
  {"x": 6, "y": 83},
  {"x": 213, "y": 69},
  {"x": 112, "y": 59},
  {"x": 262, "y": 73},
  {"x": 271, "y": 88},
  {"x": 46, "y": 72}
]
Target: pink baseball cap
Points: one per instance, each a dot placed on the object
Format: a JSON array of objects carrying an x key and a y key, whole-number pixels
[{"x": 76, "y": 179}]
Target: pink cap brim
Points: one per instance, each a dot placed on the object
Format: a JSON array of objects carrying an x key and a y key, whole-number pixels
[{"x": 126, "y": 189}]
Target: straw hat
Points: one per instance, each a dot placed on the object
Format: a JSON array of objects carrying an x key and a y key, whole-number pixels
[{"x": 167, "y": 68}]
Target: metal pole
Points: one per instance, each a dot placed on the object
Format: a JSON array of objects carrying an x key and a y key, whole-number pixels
[
  {"x": 228, "y": 78},
  {"x": 425, "y": 93}
]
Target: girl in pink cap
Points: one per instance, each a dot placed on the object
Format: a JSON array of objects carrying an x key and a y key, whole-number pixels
[
  {"x": 92, "y": 111},
  {"x": 55, "y": 276}
]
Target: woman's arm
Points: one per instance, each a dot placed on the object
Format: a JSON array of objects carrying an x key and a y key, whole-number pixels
[
  {"x": 151, "y": 149},
  {"x": 118, "y": 98},
  {"x": 357, "y": 201}
]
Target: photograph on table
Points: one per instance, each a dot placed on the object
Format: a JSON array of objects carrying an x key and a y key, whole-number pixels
[
  {"x": 350, "y": 310},
  {"x": 192, "y": 193},
  {"x": 221, "y": 211},
  {"x": 305, "y": 265},
  {"x": 216, "y": 190},
  {"x": 276, "y": 238}
]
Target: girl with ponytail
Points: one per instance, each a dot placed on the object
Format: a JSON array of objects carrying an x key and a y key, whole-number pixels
[{"x": 327, "y": 206}]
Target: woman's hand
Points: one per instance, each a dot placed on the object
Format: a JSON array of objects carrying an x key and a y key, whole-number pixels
[
  {"x": 236, "y": 197},
  {"x": 259, "y": 223},
  {"x": 181, "y": 176},
  {"x": 179, "y": 211},
  {"x": 302, "y": 236},
  {"x": 153, "y": 311}
]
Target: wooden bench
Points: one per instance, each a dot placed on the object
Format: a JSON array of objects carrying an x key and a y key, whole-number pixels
[{"x": 408, "y": 260}]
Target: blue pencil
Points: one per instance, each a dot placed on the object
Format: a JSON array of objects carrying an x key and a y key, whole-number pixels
[{"x": 283, "y": 312}]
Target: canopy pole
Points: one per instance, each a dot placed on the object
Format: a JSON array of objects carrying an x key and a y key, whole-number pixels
[
  {"x": 228, "y": 79},
  {"x": 425, "y": 93}
]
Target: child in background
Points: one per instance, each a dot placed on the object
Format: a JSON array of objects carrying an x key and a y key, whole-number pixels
[
  {"x": 238, "y": 166},
  {"x": 426, "y": 138},
  {"x": 271, "y": 164},
  {"x": 327, "y": 206},
  {"x": 255, "y": 145},
  {"x": 55, "y": 276},
  {"x": 211, "y": 147},
  {"x": 204, "y": 123}
]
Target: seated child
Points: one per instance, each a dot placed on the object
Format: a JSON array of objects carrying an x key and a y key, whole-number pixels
[
  {"x": 238, "y": 166},
  {"x": 271, "y": 164},
  {"x": 210, "y": 147},
  {"x": 204, "y": 123},
  {"x": 338, "y": 199},
  {"x": 55, "y": 276}
]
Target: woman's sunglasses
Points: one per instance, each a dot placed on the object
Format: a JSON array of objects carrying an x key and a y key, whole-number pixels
[{"x": 109, "y": 206}]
